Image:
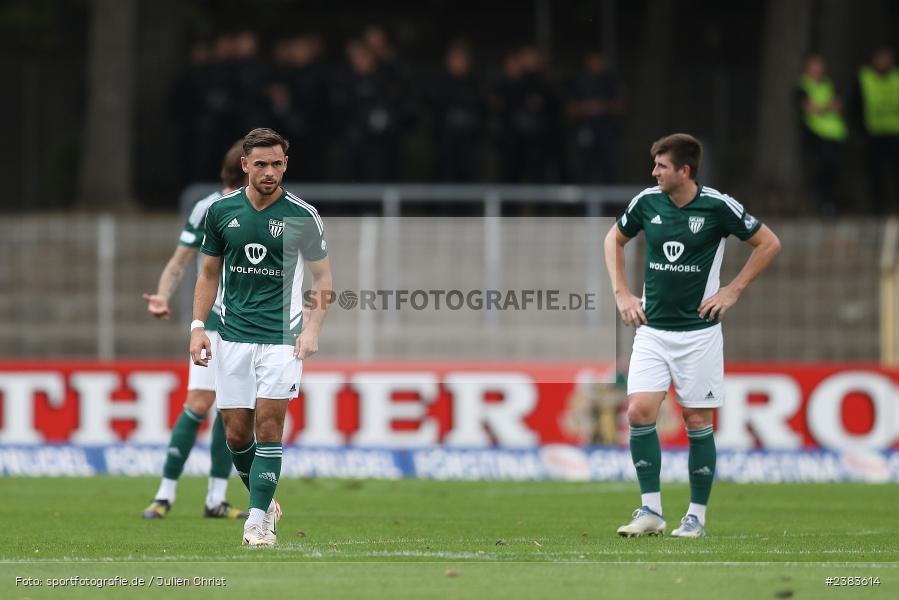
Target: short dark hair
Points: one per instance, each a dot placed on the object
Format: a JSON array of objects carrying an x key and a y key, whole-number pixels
[
  {"x": 683, "y": 148},
  {"x": 263, "y": 137},
  {"x": 232, "y": 174}
]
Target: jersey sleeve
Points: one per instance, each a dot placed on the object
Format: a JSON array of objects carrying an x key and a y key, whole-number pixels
[
  {"x": 631, "y": 222},
  {"x": 213, "y": 244},
  {"x": 192, "y": 234},
  {"x": 736, "y": 220},
  {"x": 312, "y": 242}
]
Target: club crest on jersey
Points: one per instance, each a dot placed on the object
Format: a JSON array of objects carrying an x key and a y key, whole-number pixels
[
  {"x": 673, "y": 250},
  {"x": 696, "y": 224},
  {"x": 255, "y": 253},
  {"x": 276, "y": 227}
]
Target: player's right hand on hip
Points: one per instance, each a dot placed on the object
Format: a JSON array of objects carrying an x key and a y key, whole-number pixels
[
  {"x": 200, "y": 348},
  {"x": 158, "y": 306},
  {"x": 631, "y": 309}
]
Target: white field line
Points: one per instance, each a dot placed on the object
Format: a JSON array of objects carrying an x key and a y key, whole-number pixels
[
  {"x": 242, "y": 559},
  {"x": 377, "y": 541},
  {"x": 787, "y": 534}
]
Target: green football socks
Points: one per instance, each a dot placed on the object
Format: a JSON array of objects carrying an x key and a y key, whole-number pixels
[
  {"x": 243, "y": 462},
  {"x": 264, "y": 474},
  {"x": 218, "y": 451},
  {"x": 701, "y": 463},
  {"x": 184, "y": 435},
  {"x": 646, "y": 453}
]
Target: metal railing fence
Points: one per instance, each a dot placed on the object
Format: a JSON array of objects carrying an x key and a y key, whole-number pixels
[{"x": 72, "y": 284}]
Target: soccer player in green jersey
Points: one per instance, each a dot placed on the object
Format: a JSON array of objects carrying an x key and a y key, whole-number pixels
[
  {"x": 678, "y": 319},
  {"x": 257, "y": 239},
  {"x": 200, "y": 382}
]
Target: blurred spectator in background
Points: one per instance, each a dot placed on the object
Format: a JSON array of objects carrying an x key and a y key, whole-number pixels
[
  {"x": 352, "y": 124},
  {"x": 876, "y": 102},
  {"x": 188, "y": 108},
  {"x": 594, "y": 105},
  {"x": 529, "y": 120},
  {"x": 595, "y": 410},
  {"x": 298, "y": 103},
  {"x": 249, "y": 75},
  {"x": 376, "y": 39},
  {"x": 278, "y": 93},
  {"x": 207, "y": 105},
  {"x": 458, "y": 111},
  {"x": 823, "y": 131},
  {"x": 366, "y": 118},
  {"x": 398, "y": 81},
  {"x": 502, "y": 98}
]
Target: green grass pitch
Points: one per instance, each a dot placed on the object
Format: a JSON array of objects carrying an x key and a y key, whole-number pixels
[{"x": 430, "y": 539}]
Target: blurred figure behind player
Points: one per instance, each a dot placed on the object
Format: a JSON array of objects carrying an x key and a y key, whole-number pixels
[{"x": 201, "y": 382}]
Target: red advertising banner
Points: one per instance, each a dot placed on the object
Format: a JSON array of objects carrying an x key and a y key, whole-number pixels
[{"x": 476, "y": 405}]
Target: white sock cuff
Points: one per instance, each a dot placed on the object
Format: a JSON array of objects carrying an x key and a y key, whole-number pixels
[
  {"x": 256, "y": 516},
  {"x": 698, "y": 510},
  {"x": 653, "y": 500},
  {"x": 166, "y": 490},
  {"x": 215, "y": 491}
]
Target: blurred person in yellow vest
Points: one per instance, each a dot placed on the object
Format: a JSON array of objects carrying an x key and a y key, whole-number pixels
[
  {"x": 824, "y": 131},
  {"x": 877, "y": 110}
]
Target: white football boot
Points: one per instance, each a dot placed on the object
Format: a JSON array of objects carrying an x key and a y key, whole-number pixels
[
  {"x": 270, "y": 522},
  {"x": 256, "y": 536},
  {"x": 690, "y": 527},
  {"x": 645, "y": 521}
]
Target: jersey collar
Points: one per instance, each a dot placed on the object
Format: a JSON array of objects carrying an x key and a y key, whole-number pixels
[
  {"x": 692, "y": 200},
  {"x": 246, "y": 199}
]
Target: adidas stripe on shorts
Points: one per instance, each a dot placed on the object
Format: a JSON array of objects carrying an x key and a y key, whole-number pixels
[
  {"x": 693, "y": 360},
  {"x": 246, "y": 371}
]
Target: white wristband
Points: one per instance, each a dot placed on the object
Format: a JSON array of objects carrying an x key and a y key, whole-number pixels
[{"x": 197, "y": 324}]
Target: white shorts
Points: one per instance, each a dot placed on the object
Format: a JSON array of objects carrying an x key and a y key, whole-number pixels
[
  {"x": 694, "y": 360},
  {"x": 247, "y": 371},
  {"x": 203, "y": 378}
]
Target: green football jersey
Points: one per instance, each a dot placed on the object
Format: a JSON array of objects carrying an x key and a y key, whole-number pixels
[
  {"x": 262, "y": 284},
  {"x": 192, "y": 237},
  {"x": 684, "y": 251}
]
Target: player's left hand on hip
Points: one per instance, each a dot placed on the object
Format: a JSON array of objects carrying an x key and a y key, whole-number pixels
[{"x": 714, "y": 307}]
